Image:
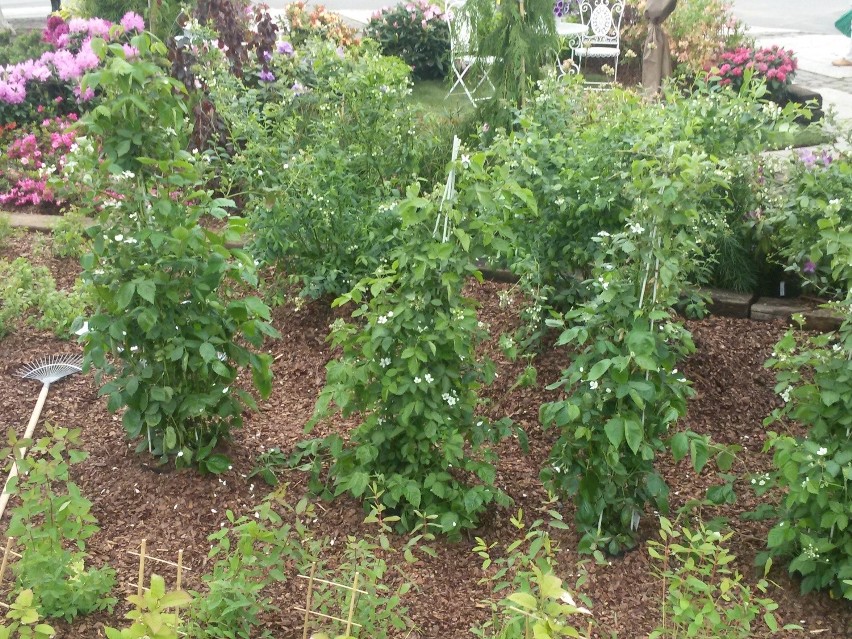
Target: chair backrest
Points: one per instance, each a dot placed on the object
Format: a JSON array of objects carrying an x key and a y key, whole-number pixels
[
  {"x": 458, "y": 24},
  {"x": 603, "y": 17}
]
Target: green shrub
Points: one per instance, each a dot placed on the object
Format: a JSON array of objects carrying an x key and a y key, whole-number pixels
[
  {"x": 168, "y": 327},
  {"x": 112, "y": 10},
  {"x": 410, "y": 369},
  {"x": 53, "y": 517},
  {"x": 416, "y": 32},
  {"x": 704, "y": 595},
  {"x": 29, "y": 294},
  {"x": 326, "y": 146},
  {"x": 26, "y": 45}
]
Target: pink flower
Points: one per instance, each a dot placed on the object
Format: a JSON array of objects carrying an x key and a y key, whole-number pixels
[{"x": 133, "y": 22}]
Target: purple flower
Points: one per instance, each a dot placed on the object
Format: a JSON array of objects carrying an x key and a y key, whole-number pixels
[
  {"x": 267, "y": 56},
  {"x": 807, "y": 157},
  {"x": 133, "y": 22},
  {"x": 266, "y": 76},
  {"x": 809, "y": 267},
  {"x": 298, "y": 88},
  {"x": 826, "y": 158},
  {"x": 285, "y": 48}
]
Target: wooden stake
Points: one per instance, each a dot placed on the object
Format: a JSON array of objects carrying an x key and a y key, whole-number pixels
[
  {"x": 141, "y": 584},
  {"x": 5, "y": 558},
  {"x": 308, "y": 600},
  {"x": 352, "y": 605},
  {"x": 179, "y": 569}
]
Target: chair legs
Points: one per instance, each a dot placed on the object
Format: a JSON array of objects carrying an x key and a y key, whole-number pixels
[{"x": 460, "y": 80}]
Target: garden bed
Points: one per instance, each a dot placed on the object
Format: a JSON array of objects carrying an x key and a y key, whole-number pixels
[{"x": 135, "y": 499}]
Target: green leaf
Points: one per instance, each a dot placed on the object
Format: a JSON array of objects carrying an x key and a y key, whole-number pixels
[
  {"x": 614, "y": 430},
  {"x": 680, "y": 446},
  {"x": 358, "y": 482},
  {"x": 124, "y": 295},
  {"x": 147, "y": 290},
  {"x": 170, "y": 439},
  {"x": 634, "y": 434},
  {"x": 599, "y": 369},
  {"x": 524, "y": 600},
  {"x": 216, "y": 464},
  {"x": 207, "y": 352}
]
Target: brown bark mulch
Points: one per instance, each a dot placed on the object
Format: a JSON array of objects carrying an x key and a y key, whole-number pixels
[{"x": 134, "y": 499}]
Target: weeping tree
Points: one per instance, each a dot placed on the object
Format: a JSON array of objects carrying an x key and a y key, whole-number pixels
[{"x": 520, "y": 37}]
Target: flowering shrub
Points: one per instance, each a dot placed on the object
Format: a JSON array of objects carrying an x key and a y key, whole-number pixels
[
  {"x": 167, "y": 328},
  {"x": 814, "y": 471},
  {"x": 416, "y": 32},
  {"x": 409, "y": 368},
  {"x": 775, "y": 65},
  {"x": 699, "y": 30},
  {"x": 805, "y": 226},
  {"x": 56, "y": 74},
  {"x": 302, "y": 25},
  {"x": 31, "y": 157}
]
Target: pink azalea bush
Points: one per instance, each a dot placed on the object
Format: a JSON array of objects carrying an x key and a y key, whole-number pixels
[
  {"x": 57, "y": 73},
  {"x": 775, "y": 65},
  {"x": 30, "y": 157}
]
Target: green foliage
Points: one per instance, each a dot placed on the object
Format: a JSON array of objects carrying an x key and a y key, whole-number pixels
[
  {"x": 575, "y": 151},
  {"x": 168, "y": 328},
  {"x": 410, "y": 369},
  {"x": 521, "y": 39},
  {"x": 29, "y": 293},
  {"x": 149, "y": 616},
  {"x": 112, "y": 10},
  {"x": 807, "y": 227},
  {"x": 6, "y": 229},
  {"x": 704, "y": 596},
  {"x": 25, "y": 620},
  {"x": 18, "y": 47},
  {"x": 69, "y": 235},
  {"x": 815, "y": 471},
  {"x": 623, "y": 388},
  {"x": 250, "y": 554},
  {"x": 324, "y": 149},
  {"x": 53, "y": 517},
  {"x": 537, "y": 606},
  {"x": 416, "y": 32}
]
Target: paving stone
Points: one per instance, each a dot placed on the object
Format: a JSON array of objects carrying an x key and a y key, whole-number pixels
[{"x": 822, "y": 320}]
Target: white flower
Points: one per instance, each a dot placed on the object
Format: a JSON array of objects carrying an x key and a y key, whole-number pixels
[
  {"x": 636, "y": 228},
  {"x": 417, "y": 380},
  {"x": 382, "y": 320},
  {"x": 465, "y": 160},
  {"x": 390, "y": 313},
  {"x": 822, "y": 451},
  {"x": 429, "y": 378},
  {"x": 603, "y": 234},
  {"x": 119, "y": 237},
  {"x": 384, "y": 362},
  {"x": 180, "y": 453},
  {"x": 593, "y": 384}
]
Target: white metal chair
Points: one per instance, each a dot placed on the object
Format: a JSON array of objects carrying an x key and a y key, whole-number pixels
[
  {"x": 467, "y": 66},
  {"x": 603, "y": 20}
]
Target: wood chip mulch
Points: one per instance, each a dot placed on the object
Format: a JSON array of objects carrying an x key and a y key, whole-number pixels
[{"x": 134, "y": 499}]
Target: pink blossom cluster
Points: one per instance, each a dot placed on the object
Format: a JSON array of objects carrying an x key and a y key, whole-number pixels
[
  {"x": 31, "y": 157},
  {"x": 425, "y": 9},
  {"x": 776, "y": 65},
  {"x": 71, "y": 59}
]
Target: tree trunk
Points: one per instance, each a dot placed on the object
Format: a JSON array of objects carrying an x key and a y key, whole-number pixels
[{"x": 4, "y": 24}]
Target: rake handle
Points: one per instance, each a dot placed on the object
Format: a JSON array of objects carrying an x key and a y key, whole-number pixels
[{"x": 42, "y": 398}]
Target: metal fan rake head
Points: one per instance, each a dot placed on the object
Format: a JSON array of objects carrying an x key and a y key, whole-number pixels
[{"x": 53, "y": 368}]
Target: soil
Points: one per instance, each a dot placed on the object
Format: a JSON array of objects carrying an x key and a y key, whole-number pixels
[{"x": 134, "y": 499}]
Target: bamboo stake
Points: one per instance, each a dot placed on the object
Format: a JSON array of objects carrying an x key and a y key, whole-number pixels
[
  {"x": 141, "y": 583},
  {"x": 332, "y": 583},
  {"x": 308, "y": 600},
  {"x": 324, "y": 616},
  {"x": 352, "y": 605}
]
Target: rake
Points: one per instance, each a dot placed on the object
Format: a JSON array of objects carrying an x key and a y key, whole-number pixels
[{"x": 47, "y": 371}]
